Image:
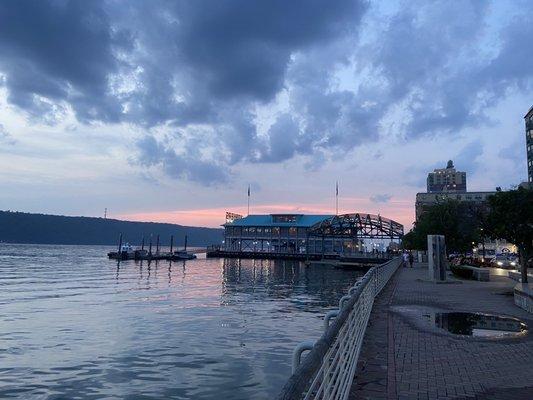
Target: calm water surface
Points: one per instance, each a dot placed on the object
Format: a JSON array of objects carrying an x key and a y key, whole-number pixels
[{"x": 74, "y": 325}]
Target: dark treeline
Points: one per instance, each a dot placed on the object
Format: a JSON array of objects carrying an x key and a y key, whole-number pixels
[{"x": 18, "y": 227}]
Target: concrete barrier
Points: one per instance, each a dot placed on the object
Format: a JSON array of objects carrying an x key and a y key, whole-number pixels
[
  {"x": 523, "y": 296},
  {"x": 517, "y": 276},
  {"x": 479, "y": 274}
]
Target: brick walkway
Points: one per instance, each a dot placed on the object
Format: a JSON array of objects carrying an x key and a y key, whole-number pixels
[{"x": 405, "y": 357}]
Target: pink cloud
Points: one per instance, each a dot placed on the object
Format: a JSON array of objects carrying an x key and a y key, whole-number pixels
[{"x": 399, "y": 210}]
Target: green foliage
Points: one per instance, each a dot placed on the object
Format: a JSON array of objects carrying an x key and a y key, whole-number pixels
[
  {"x": 459, "y": 222},
  {"x": 461, "y": 271},
  {"x": 17, "y": 227},
  {"x": 511, "y": 218}
]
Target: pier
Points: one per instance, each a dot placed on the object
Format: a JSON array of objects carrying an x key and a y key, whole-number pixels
[
  {"x": 127, "y": 252},
  {"x": 309, "y": 237},
  {"x": 334, "y": 259}
]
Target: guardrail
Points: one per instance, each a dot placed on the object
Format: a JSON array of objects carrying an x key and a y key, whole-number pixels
[{"x": 327, "y": 371}]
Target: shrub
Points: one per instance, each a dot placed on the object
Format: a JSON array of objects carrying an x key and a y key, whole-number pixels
[{"x": 461, "y": 271}]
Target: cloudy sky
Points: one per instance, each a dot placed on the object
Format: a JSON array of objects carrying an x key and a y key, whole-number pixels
[{"x": 168, "y": 110}]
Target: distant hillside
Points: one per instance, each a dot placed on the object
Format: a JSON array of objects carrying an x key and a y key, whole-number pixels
[{"x": 18, "y": 227}]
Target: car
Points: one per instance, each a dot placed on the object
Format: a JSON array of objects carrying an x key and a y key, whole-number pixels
[{"x": 504, "y": 261}]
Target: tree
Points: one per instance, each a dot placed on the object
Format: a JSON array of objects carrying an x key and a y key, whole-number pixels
[
  {"x": 511, "y": 218},
  {"x": 458, "y": 222}
]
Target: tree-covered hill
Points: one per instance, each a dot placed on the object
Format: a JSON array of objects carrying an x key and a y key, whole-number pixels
[{"x": 18, "y": 227}]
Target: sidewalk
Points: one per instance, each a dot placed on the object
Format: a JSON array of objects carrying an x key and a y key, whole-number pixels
[{"x": 401, "y": 358}]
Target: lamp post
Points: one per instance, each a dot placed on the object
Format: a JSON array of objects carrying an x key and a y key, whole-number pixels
[{"x": 482, "y": 245}]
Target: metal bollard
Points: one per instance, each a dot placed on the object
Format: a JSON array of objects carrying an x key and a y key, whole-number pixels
[{"x": 297, "y": 353}]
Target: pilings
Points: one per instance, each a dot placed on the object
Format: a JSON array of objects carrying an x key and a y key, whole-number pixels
[{"x": 126, "y": 252}]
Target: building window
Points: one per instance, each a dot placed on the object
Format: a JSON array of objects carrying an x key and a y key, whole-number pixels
[{"x": 284, "y": 218}]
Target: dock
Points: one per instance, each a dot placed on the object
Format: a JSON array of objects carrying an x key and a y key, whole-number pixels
[
  {"x": 127, "y": 252},
  {"x": 339, "y": 260}
]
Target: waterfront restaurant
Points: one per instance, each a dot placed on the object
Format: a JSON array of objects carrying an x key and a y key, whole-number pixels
[{"x": 311, "y": 234}]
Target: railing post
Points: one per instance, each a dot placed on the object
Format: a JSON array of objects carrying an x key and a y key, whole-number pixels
[
  {"x": 330, "y": 368},
  {"x": 297, "y": 353},
  {"x": 328, "y": 316}
]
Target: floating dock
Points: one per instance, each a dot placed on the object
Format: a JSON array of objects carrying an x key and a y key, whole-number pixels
[
  {"x": 144, "y": 255},
  {"x": 127, "y": 252}
]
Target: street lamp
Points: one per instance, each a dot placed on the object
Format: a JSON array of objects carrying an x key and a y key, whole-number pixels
[{"x": 483, "y": 245}]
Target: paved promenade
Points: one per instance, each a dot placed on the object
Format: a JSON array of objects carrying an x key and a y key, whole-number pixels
[{"x": 404, "y": 356}]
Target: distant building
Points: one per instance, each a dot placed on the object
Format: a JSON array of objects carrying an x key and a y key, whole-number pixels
[
  {"x": 301, "y": 234},
  {"x": 446, "y": 180},
  {"x": 425, "y": 200},
  {"x": 529, "y": 144},
  {"x": 274, "y": 233}
]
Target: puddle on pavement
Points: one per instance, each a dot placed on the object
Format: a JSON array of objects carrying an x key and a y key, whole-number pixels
[{"x": 479, "y": 325}]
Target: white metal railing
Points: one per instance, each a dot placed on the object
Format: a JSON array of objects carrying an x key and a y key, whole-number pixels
[{"x": 327, "y": 371}]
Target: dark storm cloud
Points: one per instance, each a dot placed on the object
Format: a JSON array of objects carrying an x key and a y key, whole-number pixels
[
  {"x": 184, "y": 64},
  {"x": 243, "y": 47},
  {"x": 54, "y": 51},
  {"x": 187, "y": 165},
  {"x": 283, "y": 138}
]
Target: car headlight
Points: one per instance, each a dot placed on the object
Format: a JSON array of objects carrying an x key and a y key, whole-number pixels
[
  {"x": 513, "y": 263},
  {"x": 499, "y": 263}
]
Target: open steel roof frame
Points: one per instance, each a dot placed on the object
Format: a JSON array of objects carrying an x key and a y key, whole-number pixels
[{"x": 363, "y": 226}]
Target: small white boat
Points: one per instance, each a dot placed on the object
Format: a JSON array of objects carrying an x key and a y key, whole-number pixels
[
  {"x": 127, "y": 252},
  {"x": 127, "y": 249}
]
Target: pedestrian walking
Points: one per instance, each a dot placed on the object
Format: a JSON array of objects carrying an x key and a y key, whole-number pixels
[
  {"x": 411, "y": 260},
  {"x": 405, "y": 258}
]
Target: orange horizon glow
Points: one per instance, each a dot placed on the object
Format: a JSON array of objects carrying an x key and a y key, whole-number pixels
[{"x": 397, "y": 210}]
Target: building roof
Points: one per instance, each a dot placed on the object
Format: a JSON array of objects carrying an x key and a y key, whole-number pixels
[
  {"x": 454, "y": 193},
  {"x": 529, "y": 112},
  {"x": 303, "y": 221}
]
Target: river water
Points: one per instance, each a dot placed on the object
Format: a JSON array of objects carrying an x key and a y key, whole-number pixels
[{"x": 75, "y": 325}]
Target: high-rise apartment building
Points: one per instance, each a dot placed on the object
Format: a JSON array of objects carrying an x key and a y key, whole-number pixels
[
  {"x": 529, "y": 144},
  {"x": 446, "y": 180}
]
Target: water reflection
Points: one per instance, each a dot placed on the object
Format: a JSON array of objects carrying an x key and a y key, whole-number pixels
[
  {"x": 276, "y": 279},
  {"x": 74, "y": 324},
  {"x": 479, "y": 325}
]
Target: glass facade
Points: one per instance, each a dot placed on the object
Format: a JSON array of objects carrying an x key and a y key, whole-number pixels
[{"x": 529, "y": 144}]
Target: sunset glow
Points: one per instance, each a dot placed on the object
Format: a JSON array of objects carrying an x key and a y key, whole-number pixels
[{"x": 214, "y": 217}]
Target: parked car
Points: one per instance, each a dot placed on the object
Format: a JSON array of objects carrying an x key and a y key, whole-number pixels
[{"x": 504, "y": 261}]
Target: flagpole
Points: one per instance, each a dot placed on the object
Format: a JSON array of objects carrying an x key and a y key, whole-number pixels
[
  {"x": 248, "y": 199},
  {"x": 337, "y": 198}
]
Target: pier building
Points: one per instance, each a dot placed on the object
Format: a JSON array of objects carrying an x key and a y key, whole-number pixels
[{"x": 300, "y": 234}]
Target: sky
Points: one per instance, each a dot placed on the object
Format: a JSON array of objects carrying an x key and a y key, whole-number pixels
[{"x": 168, "y": 110}]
